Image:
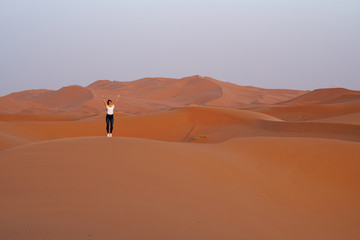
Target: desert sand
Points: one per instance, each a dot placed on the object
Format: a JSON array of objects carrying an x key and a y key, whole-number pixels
[{"x": 191, "y": 158}]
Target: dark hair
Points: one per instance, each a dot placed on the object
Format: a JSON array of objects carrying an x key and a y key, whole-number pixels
[{"x": 108, "y": 101}]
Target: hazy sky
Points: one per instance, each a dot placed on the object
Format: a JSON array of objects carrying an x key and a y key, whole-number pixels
[{"x": 299, "y": 44}]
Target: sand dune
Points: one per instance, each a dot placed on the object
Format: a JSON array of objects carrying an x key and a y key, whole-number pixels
[
  {"x": 236, "y": 96},
  {"x": 65, "y": 98},
  {"x": 218, "y": 124},
  {"x": 191, "y": 158},
  {"x": 143, "y": 95},
  {"x": 325, "y": 95},
  {"x": 9, "y": 140},
  {"x": 334, "y": 103},
  {"x": 179, "y": 124},
  {"x": 22, "y": 102},
  {"x": 186, "y": 124},
  {"x": 310, "y": 111},
  {"x": 98, "y": 188},
  {"x": 195, "y": 90},
  {"x": 353, "y": 118},
  {"x": 35, "y": 101}
]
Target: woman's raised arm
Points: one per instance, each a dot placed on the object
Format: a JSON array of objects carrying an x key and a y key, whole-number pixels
[
  {"x": 117, "y": 99},
  {"x": 103, "y": 100}
]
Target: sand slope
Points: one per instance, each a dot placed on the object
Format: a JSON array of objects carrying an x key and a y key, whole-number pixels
[
  {"x": 186, "y": 124},
  {"x": 352, "y": 118},
  {"x": 122, "y": 188}
]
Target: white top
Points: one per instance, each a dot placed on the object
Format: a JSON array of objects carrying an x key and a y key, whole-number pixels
[{"x": 110, "y": 110}]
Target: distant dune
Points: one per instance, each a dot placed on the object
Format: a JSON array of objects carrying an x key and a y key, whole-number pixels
[
  {"x": 316, "y": 105},
  {"x": 144, "y": 95},
  {"x": 326, "y": 95},
  {"x": 191, "y": 158}
]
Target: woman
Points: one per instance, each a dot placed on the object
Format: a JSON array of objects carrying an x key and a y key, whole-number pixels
[{"x": 109, "y": 115}]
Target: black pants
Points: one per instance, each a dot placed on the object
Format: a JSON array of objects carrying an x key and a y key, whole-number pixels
[{"x": 109, "y": 121}]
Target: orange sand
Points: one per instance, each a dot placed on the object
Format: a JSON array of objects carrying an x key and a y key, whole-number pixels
[
  {"x": 191, "y": 158},
  {"x": 124, "y": 188}
]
